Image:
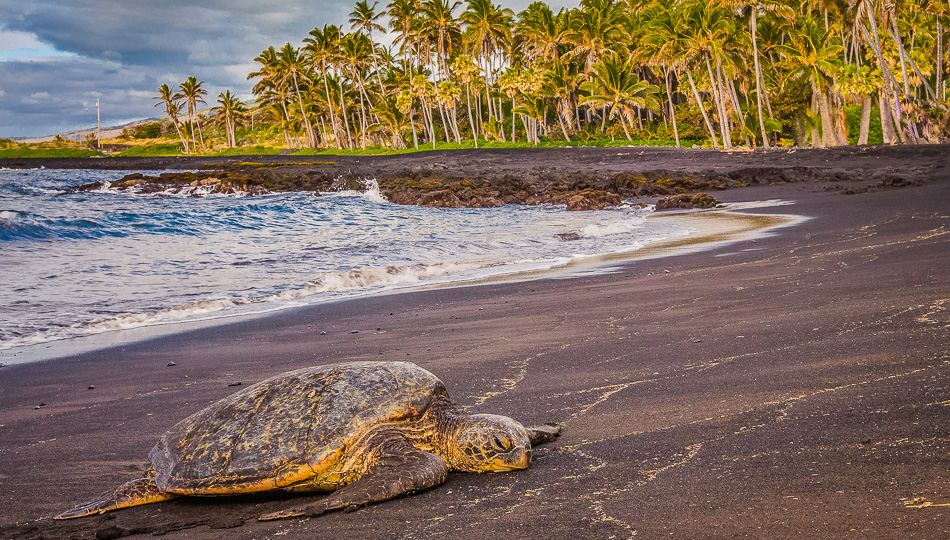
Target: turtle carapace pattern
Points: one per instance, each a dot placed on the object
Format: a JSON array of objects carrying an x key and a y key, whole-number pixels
[{"x": 365, "y": 431}]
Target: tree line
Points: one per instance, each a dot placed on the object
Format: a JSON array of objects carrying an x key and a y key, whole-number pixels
[{"x": 749, "y": 72}]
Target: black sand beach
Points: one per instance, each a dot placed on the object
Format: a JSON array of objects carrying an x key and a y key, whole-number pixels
[{"x": 792, "y": 386}]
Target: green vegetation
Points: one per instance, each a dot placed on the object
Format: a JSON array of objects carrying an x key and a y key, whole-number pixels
[
  {"x": 717, "y": 73},
  {"x": 722, "y": 73},
  {"x": 152, "y": 150},
  {"x": 47, "y": 153}
]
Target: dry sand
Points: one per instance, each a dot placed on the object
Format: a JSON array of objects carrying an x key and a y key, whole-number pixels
[{"x": 790, "y": 386}]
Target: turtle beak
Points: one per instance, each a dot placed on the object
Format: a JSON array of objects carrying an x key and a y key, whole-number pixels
[{"x": 524, "y": 461}]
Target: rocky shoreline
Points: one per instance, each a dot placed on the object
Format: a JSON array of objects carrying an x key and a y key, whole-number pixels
[{"x": 580, "y": 178}]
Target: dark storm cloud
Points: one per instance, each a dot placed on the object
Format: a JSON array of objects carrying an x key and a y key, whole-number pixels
[
  {"x": 121, "y": 51},
  {"x": 168, "y": 32}
]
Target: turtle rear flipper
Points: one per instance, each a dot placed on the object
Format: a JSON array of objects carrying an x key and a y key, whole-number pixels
[
  {"x": 134, "y": 493},
  {"x": 401, "y": 470}
]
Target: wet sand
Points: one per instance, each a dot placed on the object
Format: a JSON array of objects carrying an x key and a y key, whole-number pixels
[{"x": 791, "y": 386}]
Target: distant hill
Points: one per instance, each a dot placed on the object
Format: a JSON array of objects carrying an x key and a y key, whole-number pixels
[{"x": 107, "y": 132}]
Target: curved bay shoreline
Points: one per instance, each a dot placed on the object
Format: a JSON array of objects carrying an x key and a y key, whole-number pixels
[{"x": 791, "y": 386}]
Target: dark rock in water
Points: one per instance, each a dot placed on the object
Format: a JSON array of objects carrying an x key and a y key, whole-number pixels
[
  {"x": 235, "y": 383},
  {"x": 592, "y": 199},
  {"x": 685, "y": 201},
  {"x": 93, "y": 186},
  {"x": 568, "y": 236},
  {"x": 92, "y": 387}
]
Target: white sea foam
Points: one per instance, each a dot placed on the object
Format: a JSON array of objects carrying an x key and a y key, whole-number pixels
[
  {"x": 148, "y": 263},
  {"x": 607, "y": 228},
  {"x": 370, "y": 193}
]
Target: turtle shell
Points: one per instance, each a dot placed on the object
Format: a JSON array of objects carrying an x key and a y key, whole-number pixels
[{"x": 288, "y": 428}]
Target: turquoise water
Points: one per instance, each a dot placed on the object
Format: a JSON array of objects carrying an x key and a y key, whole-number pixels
[{"x": 86, "y": 263}]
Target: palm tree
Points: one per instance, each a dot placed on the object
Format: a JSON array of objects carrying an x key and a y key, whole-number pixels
[
  {"x": 711, "y": 30},
  {"x": 291, "y": 64},
  {"x": 230, "y": 111},
  {"x": 355, "y": 49},
  {"x": 542, "y": 34},
  {"x": 860, "y": 83},
  {"x": 813, "y": 53},
  {"x": 594, "y": 31},
  {"x": 322, "y": 47},
  {"x": 394, "y": 117},
  {"x": 363, "y": 17},
  {"x": 173, "y": 106},
  {"x": 442, "y": 31},
  {"x": 619, "y": 90},
  {"x": 487, "y": 34},
  {"x": 464, "y": 68},
  {"x": 561, "y": 82},
  {"x": 192, "y": 92},
  {"x": 774, "y": 7}
]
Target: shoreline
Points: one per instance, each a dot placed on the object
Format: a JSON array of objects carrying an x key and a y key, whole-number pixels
[
  {"x": 719, "y": 226},
  {"x": 794, "y": 386}
]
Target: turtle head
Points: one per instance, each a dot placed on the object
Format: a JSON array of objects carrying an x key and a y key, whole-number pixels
[{"x": 488, "y": 442}]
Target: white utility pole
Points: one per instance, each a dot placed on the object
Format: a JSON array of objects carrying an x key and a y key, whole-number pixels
[{"x": 98, "y": 127}]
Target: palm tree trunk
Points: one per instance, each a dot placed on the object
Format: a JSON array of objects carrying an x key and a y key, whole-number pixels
[
  {"x": 303, "y": 112},
  {"x": 758, "y": 76},
  {"x": 200, "y": 134},
  {"x": 346, "y": 120},
  {"x": 829, "y": 135},
  {"x": 865, "y": 119},
  {"x": 724, "y": 128},
  {"x": 887, "y": 126},
  {"x": 890, "y": 83},
  {"x": 702, "y": 109},
  {"x": 333, "y": 123},
  {"x": 513, "y": 116},
  {"x": 669, "y": 97},
  {"x": 181, "y": 135},
  {"x": 623, "y": 124},
  {"x": 900, "y": 49},
  {"x": 939, "y": 64},
  {"x": 412, "y": 124},
  {"x": 560, "y": 121},
  {"x": 471, "y": 120}
]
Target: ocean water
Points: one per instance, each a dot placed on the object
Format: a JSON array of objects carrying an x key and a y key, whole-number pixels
[{"x": 86, "y": 263}]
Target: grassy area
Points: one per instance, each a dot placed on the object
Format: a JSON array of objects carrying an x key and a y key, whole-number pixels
[
  {"x": 174, "y": 149},
  {"x": 17, "y": 153},
  {"x": 469, "y": 144},
  {"x": 257, "y": 150},
  {"x": 152, "y": 150}
]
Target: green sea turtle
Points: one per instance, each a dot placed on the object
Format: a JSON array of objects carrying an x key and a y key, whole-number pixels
[{"x": 367, "y": 431}]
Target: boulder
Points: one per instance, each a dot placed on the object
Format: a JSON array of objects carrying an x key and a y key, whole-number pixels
[
  {"x": 686, "y": 201},
  {"x": 592, "y": 199}
]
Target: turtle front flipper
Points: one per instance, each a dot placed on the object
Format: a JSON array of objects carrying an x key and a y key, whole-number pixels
[
  {"x": 134, "y": 493},
  {"x": 401, "y": 470}
]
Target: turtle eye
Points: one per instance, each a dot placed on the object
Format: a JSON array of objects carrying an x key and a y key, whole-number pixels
[{"x": 498, "y": 444}]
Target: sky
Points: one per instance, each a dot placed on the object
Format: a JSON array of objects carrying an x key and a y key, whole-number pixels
[{"x": 58, "y": 56}]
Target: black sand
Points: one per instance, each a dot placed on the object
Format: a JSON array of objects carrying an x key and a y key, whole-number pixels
[{"x": 794, "y": 386}]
